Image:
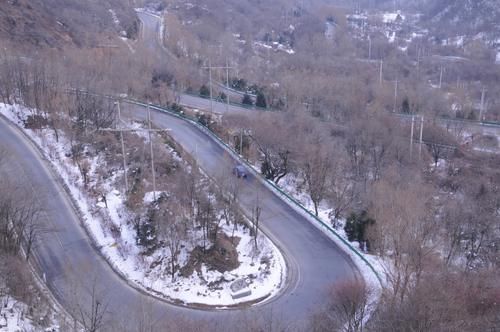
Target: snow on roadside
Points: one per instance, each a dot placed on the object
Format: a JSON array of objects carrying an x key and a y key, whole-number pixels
[
  {"x": 150, "y": 196},
  {"x": 375, "y": 279},
  {"x": 392, "y": 17},
  {"x": 116, "y": 21},
  {"x": 114, "y": 17},
  {"x": 290, "y": 186},
  {"x": 265, "y": 270},
  {"x": 127, "y": 42},
  {"x": 14, "y": 317},
  {"x": 257, "y": 268},
  {"x": 122, "y": 33},
  {"x": 150, "y": 11}
]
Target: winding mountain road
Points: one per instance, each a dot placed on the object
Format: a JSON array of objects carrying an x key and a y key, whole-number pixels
[
  {"x": 150, "y": 40},
  {"x": 71, "y": 265}
]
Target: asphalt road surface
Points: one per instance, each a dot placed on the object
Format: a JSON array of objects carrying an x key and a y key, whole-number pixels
[
  {"x": 150, "y": 39},
  {"x": 71, "y": 265}
]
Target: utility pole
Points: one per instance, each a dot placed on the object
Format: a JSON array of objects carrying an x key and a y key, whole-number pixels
[
  {"x": 286, "y": 18},
  {"x": 481, "y": 110},
  {"x": 149, "y": 130},
  {"x": 411, "y": 136},
  {"x": 421, "y": 137},
  {"x": 395, "y": 96},
  {"x": 210, "y": 80},
  {"x": 123, "y": 147},
  {"x": 381, "y": 71},
  {"x": 241, "y": 142},
  {"x": 441, "y": 78},
  {"x": 418, "y": 60},
  {"x": 152, "y": 154},
  {"x": 369, "y": 48},
  {"x": 227, "y": 83},
  {"x": 210, "y": 75}
]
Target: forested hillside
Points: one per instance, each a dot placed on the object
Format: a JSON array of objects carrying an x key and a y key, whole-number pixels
[
  {"x": 377, "y": 120},
  {"x": 471, "y": 18},
  {"x": 56, "y": 23}
]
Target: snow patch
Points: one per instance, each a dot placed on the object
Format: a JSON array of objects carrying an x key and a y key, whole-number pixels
[
  {"x": 263, "y": 268},
  {"x": 392, "y": 17},
  {"x": 151, "y": 196},
  {"x": 14, "y": 316},
  {"x": 290, "y": 185}
]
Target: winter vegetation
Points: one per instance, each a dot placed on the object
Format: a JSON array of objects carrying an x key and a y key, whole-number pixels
[
  {"x": 24, "y": 305},
  {"x": 186, "y": 241},
  {"x": 380, "y": 117}
]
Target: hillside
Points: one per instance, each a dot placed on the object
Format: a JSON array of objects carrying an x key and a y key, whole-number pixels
[
  {"x": 471, "y": 18},
  {"x": 56, "y": 23}
]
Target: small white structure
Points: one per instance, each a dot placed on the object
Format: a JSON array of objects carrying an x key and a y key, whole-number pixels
[{"x": 239, "y": 289}]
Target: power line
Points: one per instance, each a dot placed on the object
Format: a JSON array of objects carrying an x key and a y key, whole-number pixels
[
  {"x": 210, "y": 67},
  {"x": 149, "y": 130}
]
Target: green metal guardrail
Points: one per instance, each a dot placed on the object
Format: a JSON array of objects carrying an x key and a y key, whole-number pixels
[
  {"x": 441, "y": 118},
  {"x": 458, "y": 120},
  {"x": 232, "y": 103},
  {"x": 489, "y": 123},
  {"x": 235, "y": 154},
  {"x": 274, "y": 186}
]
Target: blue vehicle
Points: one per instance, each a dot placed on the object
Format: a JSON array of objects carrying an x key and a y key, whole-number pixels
[{"x": 240, "y": 171}]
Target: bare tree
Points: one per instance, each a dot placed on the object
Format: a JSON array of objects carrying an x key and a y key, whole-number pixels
[
  {"x": 275, "y": 149},
  {"x": 342, "y": 194},
  {"x": 89, "y": 301},
  {"x": 316, "y": 170},
  {"x": 205, "y": 217},
  {"x": 3, "y": 156},
  {"x": 456, "y": 217},
  {"x": 341, "y": 190},
  {"x": 93, "y": 319},
  {"x": 92, "y": 112},
  {"x": 31, "y": 233},
  {"x": 255, "y": 219},
  {"x": 173, "y": 230},
  {"x": 188, "y": 188},
  {"x": 350, "y": 301},
  {"x": 347, "y": 308},
  {"x": 7, "y": 80},
  {"x": 368, "y": 145},
  {"x": 404, "y": 228},
  {"x": 445, "y": 300},
  {"x": 439, "y": 142},
  {"x": 227, "y": 197},
  {"x": 19, "y": 219},
  {"x": 142, "y": 318},
  {"x": 481, "y": 237}
]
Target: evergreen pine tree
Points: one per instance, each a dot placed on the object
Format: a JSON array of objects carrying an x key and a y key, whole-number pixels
[
  {"x": 204, "y": 91},
  {"x": 261, "y": 100},
  {"x": 247, "y": 100}
]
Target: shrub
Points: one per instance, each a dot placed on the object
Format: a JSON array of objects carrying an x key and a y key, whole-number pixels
[
  {"x": 247, "y": 100},
  {"x": 261, "y": 100},
  {"x": 356, "y": 226},
  {"x": 177, "y": 108},
  {"x": 204, "y": 91}
]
